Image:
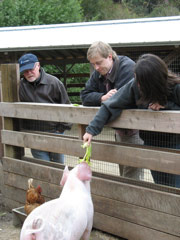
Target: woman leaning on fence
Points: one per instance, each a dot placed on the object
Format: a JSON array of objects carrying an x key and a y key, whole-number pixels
[{"x": 154, "y": 87}]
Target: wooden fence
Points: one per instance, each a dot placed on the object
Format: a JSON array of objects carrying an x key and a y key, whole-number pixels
[{"x": 124, "y": 207}]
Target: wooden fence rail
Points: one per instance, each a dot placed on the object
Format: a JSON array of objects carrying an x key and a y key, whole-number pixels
[{"x": 160, "y": 160}]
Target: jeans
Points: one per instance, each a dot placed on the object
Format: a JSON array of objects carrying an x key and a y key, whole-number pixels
[
  {"x": 48, "y": 156},
  {"x": 167, "y": 179},
  {"x": 127, "y": 171}
]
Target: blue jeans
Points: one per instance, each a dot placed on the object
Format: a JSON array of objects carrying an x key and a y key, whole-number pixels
[
  {"x": 163, "y": 178},
  {"x": 167, "y": 179},
  {"x": 48, "y": 156}
]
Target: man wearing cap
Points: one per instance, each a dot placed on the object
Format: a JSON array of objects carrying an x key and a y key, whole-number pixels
[{"x": 38, "y": 86}]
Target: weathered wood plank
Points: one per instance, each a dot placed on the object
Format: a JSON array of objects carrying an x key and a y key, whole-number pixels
[
  {"x": 36, "y": 171},
  {"x": 155, "y": 160},
  {"x": 9, "y": 93},
  {"x": 17, "y": 195},
  {"x": 1, "y": 119},
  {"x": 161, "y": 121},
  {"x": 142, "y": 216},
  {"x": 139, "y": 196},
  {"x": 11, "y": 204},
  {"x": 21, "y": 182},
  {"x": 81, "y": 131},
  {"x": 128, "y": 230},
  {"x": 10, "y": 79}
]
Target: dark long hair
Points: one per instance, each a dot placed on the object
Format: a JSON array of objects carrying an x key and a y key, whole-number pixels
[{"x": 154, "y": 79}]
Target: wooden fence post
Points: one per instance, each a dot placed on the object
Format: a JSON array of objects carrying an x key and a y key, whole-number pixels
[
  {"x": 10, "y": 78},
  {"x": 1, "y": 146},
  {"x": 81, "y": 132}
]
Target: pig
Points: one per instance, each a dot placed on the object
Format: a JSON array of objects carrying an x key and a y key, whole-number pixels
[{"x": 69, "y": 217}]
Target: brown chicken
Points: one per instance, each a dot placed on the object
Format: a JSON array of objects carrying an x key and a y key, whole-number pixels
[{"x": 33, "y": 197}]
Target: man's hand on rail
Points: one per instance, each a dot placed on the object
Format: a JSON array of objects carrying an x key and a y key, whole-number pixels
[
  {"x": 155, "y": 106},
  {"x": 87, "y": 138},
  {"x": 108, "y": 95}
]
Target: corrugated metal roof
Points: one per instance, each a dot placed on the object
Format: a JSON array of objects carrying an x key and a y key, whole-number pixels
[{"x": 135, "y": 32}]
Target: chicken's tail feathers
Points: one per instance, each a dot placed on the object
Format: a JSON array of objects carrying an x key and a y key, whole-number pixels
[{"x": 30, "y": 181}]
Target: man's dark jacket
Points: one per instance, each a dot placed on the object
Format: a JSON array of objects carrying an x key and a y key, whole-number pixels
[
  {"x": 46, "y": 89},
  {"x": 121, "y": 73}
]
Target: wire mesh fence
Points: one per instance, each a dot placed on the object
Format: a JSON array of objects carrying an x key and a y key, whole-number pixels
[{"x": 165, "y": 140}]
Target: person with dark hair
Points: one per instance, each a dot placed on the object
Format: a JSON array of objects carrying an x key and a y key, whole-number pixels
[
  {"x": 111, "y": 72},
  {"x": 153, "y": 87},
  {"x": 38, "y": 86}
]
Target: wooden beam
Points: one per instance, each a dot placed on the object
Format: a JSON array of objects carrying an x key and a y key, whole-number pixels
[
  {"x": 160, "y": 121},
  {"x": 138, "y": 215},
  {"x": 128, "y": 230},
  {"x": 10, "y": 81},
  {"x": 1, "y": 121},
  {"x": 120, "y": 154}
]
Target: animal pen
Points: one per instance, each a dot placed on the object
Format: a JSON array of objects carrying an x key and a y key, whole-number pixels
[
  {"x": 125, "y": 207},
  {"x": 128, "y": 208}
]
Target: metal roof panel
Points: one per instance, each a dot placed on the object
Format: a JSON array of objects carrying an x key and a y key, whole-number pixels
[{"x": 134, "y": 32}]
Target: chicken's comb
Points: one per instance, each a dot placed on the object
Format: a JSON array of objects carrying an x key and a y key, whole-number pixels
[{"x": 39, "y": 188}]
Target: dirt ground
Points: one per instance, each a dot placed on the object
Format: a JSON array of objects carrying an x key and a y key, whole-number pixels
[{"x": 9, "y": 232}]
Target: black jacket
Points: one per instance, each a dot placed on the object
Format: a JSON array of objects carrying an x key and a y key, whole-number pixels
[
  {"x": 126, "y": 98},
  {"x": 122, "y": 72},
  {"x": 46, "y": 89}
]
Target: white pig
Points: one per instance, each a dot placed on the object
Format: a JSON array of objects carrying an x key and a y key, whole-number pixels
[{"x": 69, "y": 217}]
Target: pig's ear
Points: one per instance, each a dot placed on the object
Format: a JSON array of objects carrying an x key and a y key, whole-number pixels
[
  {"x": 84, "y": 172},
  {"x": 64, "y": 176}
]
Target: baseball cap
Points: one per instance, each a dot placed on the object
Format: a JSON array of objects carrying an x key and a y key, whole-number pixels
[{"x": 27, "y": 62}]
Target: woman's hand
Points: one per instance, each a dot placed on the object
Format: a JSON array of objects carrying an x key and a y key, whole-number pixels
[
  {"x": 87, "y": 138},
  {"x": 155, "y": 106}
]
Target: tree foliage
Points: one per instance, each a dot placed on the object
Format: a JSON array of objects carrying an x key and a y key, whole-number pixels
[
  {"x": 104, "y": 10},
  {"x": 161, "y": 11},
  {"x": 123, "y": 9},
  {"x": 37, "y": 12},
  {"x": 155, "y": 8}
]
